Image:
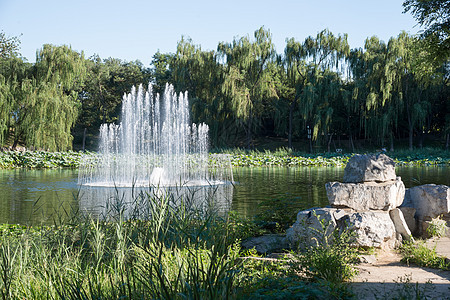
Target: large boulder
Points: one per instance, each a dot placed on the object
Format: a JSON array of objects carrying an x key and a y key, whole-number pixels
[
  {"x": 364, "y": 168},
  {"x": 316, "y": 225},
  {"x": 429, "y": 200},
  {"x": 366, "y": 196},
  {"x": 313, "y": 226},
  {"x": 372, "y": 229}
]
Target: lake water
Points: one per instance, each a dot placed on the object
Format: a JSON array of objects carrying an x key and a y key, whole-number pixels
[{"x": 44, "y": 196}]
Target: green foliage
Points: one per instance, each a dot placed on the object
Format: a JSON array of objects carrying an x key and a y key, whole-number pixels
[
  {"x": 180, "y": 252},
  {"x": 331, "y": 259},
  {"x": 418, "y": 253},
  {"x": 106, "y": 83},
  {"x": 9, "y": 46},
  {"x": 437, "y": 227},
  {"x": 265, "y": 279},
  {"x": 41, "y": 159},
  {"x": 40, "y": 102},
  {"x": 247, "y": 77},
  {"x": 434, "y": 15},
  {"x": 240, "y": 228},
  {"x": 238, "y": 158},
  {"x": 382, "y": 94}
]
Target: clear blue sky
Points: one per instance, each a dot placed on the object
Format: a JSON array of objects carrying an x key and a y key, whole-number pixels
[{"x": 136, "y": 29}]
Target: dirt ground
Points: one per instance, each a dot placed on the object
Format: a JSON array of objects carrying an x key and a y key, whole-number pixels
[{"x": 383, "y": 276}]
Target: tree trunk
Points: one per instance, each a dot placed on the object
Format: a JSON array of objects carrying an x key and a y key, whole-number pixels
[
  {"x": 410, "y": 137},
  {"x": 329, "y": 142},
  {"x": 291, "y": 109},
  {"x": 421, "y": 139},
  {"x": 391, "y": 142},
  {"x": 249, "y": 132},
  {"x": 447, "y": 143},
  {"x": 352, "y": 146}
]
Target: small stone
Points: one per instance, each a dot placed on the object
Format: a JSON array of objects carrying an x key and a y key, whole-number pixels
[{"x": 368, "y": 259}]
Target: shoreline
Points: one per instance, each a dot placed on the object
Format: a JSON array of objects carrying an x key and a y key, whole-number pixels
[{"x": 238, "y": 158}]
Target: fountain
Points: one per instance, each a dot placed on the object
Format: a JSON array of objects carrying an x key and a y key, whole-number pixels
[
  {"x": 154, "y": 148},
  {"x": 154, "y": 145}
]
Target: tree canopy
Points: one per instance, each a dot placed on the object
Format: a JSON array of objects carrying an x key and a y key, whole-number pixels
[
  {"x": 434, "y": 15},
  {"x": 384, "y": 94}
]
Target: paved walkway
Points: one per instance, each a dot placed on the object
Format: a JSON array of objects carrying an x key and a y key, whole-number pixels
[
  {"x": 388, "y": 278},
  {"x": 442, "y": 246}
]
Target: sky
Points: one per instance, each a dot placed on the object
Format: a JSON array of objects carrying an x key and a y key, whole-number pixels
[{"x": 136, "y": 29}]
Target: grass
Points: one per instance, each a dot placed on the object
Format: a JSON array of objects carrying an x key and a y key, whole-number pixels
[
  {"x": 419, "y": 254},
  {"x": 179, "y": 252}
]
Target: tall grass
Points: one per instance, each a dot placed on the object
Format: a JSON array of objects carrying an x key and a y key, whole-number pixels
[{"x": 171, "y": 250}]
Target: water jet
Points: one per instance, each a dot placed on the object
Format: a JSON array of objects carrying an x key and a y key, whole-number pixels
[{"x": 154, "y": 145}]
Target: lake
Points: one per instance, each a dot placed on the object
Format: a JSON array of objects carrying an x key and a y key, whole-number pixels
[{"x": 44, "y": 196}]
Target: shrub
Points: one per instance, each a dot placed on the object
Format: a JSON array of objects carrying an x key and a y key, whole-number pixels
[
  {"x": 437, "y": 227},
  {"x": 331, "y": 259}
]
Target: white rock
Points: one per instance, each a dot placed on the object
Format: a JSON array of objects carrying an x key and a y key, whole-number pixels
[
  {"x": 429, "y": 200},
  {"x": 363, "y": 168},
  {"x": 312, "y": 227},
  {"x": 408, "y": 214},
  {"x": 366, "y": 196},
  {"x": 372, "y": 228},
  {"x": 400, "y": 223}
]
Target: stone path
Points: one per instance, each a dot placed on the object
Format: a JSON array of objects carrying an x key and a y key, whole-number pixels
[{"x": 388, "y": 278}]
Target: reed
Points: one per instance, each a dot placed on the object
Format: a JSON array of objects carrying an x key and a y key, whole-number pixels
[{"x": 169, "y": 250}]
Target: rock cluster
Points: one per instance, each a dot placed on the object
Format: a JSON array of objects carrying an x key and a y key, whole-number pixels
[
  {"x": 372, "y": 203},
  {"x": 366, "y": 203}
]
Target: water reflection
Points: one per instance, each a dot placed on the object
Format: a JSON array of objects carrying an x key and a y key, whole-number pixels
[
  {"x": 305, "y": 185},
  {"x": 36, "y": 196}
]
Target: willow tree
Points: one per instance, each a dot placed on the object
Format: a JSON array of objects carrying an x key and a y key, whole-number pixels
[
  {"x": 14, "y": 85},
  {"x": 248, "y": 81},
  {"x": 200, "y": 73},
  {"x": 48, "y": 105},
  {"x": 313, "y": 67},
  {"x": 374, "y": 90},
  {"x": 409, "y": 84},
  {"x": 397, "y": 85},
  {"x": 434, "y": 16},
  {"x": 292, "y": 73}
]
